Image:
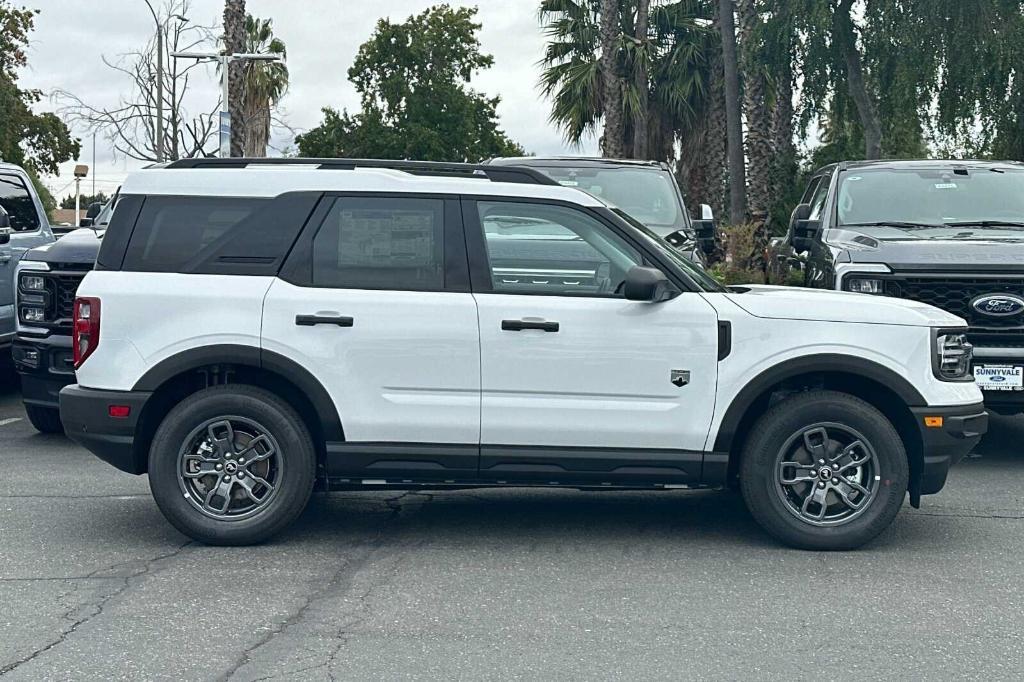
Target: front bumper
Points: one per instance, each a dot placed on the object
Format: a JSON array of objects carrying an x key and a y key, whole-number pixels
[
  {"x": 46, "y": 366},
  {"x": 947, "y": 435},
  {"x": 85, "y": 413}
]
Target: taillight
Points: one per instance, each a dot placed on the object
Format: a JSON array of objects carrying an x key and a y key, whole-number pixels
[{"x": 86, "y": 330}]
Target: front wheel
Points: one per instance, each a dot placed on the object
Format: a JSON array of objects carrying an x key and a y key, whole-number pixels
[
  {"x": 824, "y": 470},
  {"x": 232, "y": 465}
]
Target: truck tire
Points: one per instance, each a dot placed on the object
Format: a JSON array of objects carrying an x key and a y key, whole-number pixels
[
  {"x": 232, "y": 465},
  {"x": 824, "y": 470},
  {"x": 44, "y": 419}
]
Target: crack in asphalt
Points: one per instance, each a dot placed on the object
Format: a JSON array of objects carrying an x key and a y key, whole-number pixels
[
  {"x": 339, "y": 581},
  {"x": 95, "y": 609}
]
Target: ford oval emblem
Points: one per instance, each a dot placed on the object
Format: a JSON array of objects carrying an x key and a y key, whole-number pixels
[
  {"x": 998, "y": 305},
  {"x": 997, "y": 378}
]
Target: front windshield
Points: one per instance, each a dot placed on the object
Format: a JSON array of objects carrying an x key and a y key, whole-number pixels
[
  {"x": 647, "y": 194},
  {"x": 703, "y": 281},
  {"x": 939, "y": 198}
]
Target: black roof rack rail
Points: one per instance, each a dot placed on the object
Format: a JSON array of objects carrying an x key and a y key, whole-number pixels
[{"x": 520, "y": 174}]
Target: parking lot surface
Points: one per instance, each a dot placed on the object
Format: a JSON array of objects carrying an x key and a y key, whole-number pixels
[{"x": 489, "y": 584}]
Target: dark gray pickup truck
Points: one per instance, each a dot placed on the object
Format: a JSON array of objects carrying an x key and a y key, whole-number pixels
[{"x": 947, "y": 233}]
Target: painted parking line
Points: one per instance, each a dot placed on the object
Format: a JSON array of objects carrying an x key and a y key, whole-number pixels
[{"x": 5, "y": 422}]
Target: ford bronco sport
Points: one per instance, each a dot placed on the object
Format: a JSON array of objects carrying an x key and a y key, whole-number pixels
[{"x": 257, "y": 329}]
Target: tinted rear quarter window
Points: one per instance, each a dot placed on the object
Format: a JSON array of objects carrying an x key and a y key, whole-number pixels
[{"x": 215, "y": 235}]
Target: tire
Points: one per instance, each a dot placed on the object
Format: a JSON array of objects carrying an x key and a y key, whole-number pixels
[
  {"x": 208, "y": 436},
  {"x": 825, "y": 423},
  {"x": 44, "y": 419}
]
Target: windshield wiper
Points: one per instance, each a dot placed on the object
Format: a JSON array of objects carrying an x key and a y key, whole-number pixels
[
  {"x": 1010, "y": 224},
  {"x": 901, "y": 224}
]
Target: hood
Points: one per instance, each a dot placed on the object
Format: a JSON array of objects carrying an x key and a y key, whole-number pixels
[
  {"x": 77, "y": 246},
  {"x": 927, "y": 250},
  {"x": 819, "y": 305}
]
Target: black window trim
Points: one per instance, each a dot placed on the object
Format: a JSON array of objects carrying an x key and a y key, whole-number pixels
[
  {"x": 297, "y": 267},
  {"x": 480, "y": 267}
]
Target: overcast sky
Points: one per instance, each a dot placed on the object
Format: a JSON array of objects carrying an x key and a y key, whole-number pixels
[{"x": 322, "y": 36}]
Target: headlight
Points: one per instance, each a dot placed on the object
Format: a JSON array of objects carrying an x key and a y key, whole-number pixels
[
  {"x": 33, "y": 314},
  {"x": 32, "y": 283},
  {"x": 864, "y": 285},
  {"x": 952, "y": 356}
]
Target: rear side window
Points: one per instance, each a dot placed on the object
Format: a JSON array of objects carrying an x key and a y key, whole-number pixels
[
  {"x": 381, "y": 243},
  {"x": 17, "y": 201},
  {"x": 214, "y": 235}
]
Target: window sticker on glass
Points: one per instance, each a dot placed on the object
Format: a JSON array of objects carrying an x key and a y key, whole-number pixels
[
  {"x": 569, "y": 183},
  {"x": 945, "y": 185}
]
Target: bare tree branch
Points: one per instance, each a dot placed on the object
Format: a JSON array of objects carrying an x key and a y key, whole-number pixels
[{"x": 130, "y": 125}]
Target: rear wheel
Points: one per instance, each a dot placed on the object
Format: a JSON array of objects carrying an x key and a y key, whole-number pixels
[
  {"x": 824, "y": 470},
  {"x": 44, "y": 419},
  {"x": 232, "y": 465}
]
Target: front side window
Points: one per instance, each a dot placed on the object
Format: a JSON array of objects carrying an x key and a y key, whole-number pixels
[
  {"x": 546, "y": 249},
  {"x": 381, "y": 243},
  {"x": 817, "y": 201},
  {"x": 16, "y": 200}
]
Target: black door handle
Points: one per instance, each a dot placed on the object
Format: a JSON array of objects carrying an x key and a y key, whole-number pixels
[
  {"x": 520, "y": 325},
  {"x": 311, "y": 320}
]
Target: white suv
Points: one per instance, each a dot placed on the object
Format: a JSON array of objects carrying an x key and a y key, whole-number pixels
[{"x": 253, "y": 331}]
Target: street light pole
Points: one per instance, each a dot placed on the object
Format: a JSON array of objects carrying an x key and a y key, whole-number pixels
[
  {"x": 225, "y": 61},
  {"x": 159, "y": 85}
]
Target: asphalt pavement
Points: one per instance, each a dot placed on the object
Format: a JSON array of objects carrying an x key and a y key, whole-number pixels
[{"x": 499, "y": 584}]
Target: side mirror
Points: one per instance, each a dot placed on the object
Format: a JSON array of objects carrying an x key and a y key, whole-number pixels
[
  {"x": 705, "y": 229},
  {"x": 648, "y": 284},
  {"x": 85, "y": 222},
  {"x": 94, "y": 210},
  {"x": 802, "y": 230}
]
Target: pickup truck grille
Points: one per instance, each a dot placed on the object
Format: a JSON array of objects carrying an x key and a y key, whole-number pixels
[
  {"x": 954, "y": 294},
  {"x": 65, "y": 287}
]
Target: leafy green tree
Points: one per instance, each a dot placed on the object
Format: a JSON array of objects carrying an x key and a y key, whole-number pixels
[
  {"x": 413, "y": 81},
  {"x": 39, "y": 142},
  {"x": 85, "y": 199}
]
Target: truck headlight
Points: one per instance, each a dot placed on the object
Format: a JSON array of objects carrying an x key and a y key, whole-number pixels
[
  {"x": 952, "y": 356},
  {"x": 864, "y": 285},
  {"x": 32, "y": 283}
]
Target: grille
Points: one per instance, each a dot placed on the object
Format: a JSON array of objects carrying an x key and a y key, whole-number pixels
[
  {"x": 955, "y": 295},
  {"x": 62, "y": 287}
]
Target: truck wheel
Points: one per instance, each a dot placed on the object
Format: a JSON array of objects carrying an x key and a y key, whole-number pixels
[
  {"x": 44, "y": 419},
  {"x": 824, "y": 470},
  {"x": 232, "y": 465}
]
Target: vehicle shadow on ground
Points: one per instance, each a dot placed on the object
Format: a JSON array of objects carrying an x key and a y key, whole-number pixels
[{"x": 1003, "y": 440}]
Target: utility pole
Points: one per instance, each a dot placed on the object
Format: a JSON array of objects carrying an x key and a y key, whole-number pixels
[
  {"x": 94, "y": 163},
  {"x": 159, "y": 85},
  {"x": 225, "y": 61}
]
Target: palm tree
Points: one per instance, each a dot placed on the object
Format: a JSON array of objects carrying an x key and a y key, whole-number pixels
[
  {"x": 613, "y": 141},
  {"x": 264, "y": 83},
  {"x": 673, "y": 61},
  {"x": 734, "y": 136},
  {"x": 234, "y": 42}
]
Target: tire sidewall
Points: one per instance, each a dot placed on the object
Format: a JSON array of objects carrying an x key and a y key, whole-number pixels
[
  {"x": 780, "y": 424},
  {"x": 297, "y": 474}
]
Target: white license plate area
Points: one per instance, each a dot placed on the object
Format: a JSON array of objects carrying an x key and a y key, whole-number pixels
[{"x": 999, "y": 377}]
